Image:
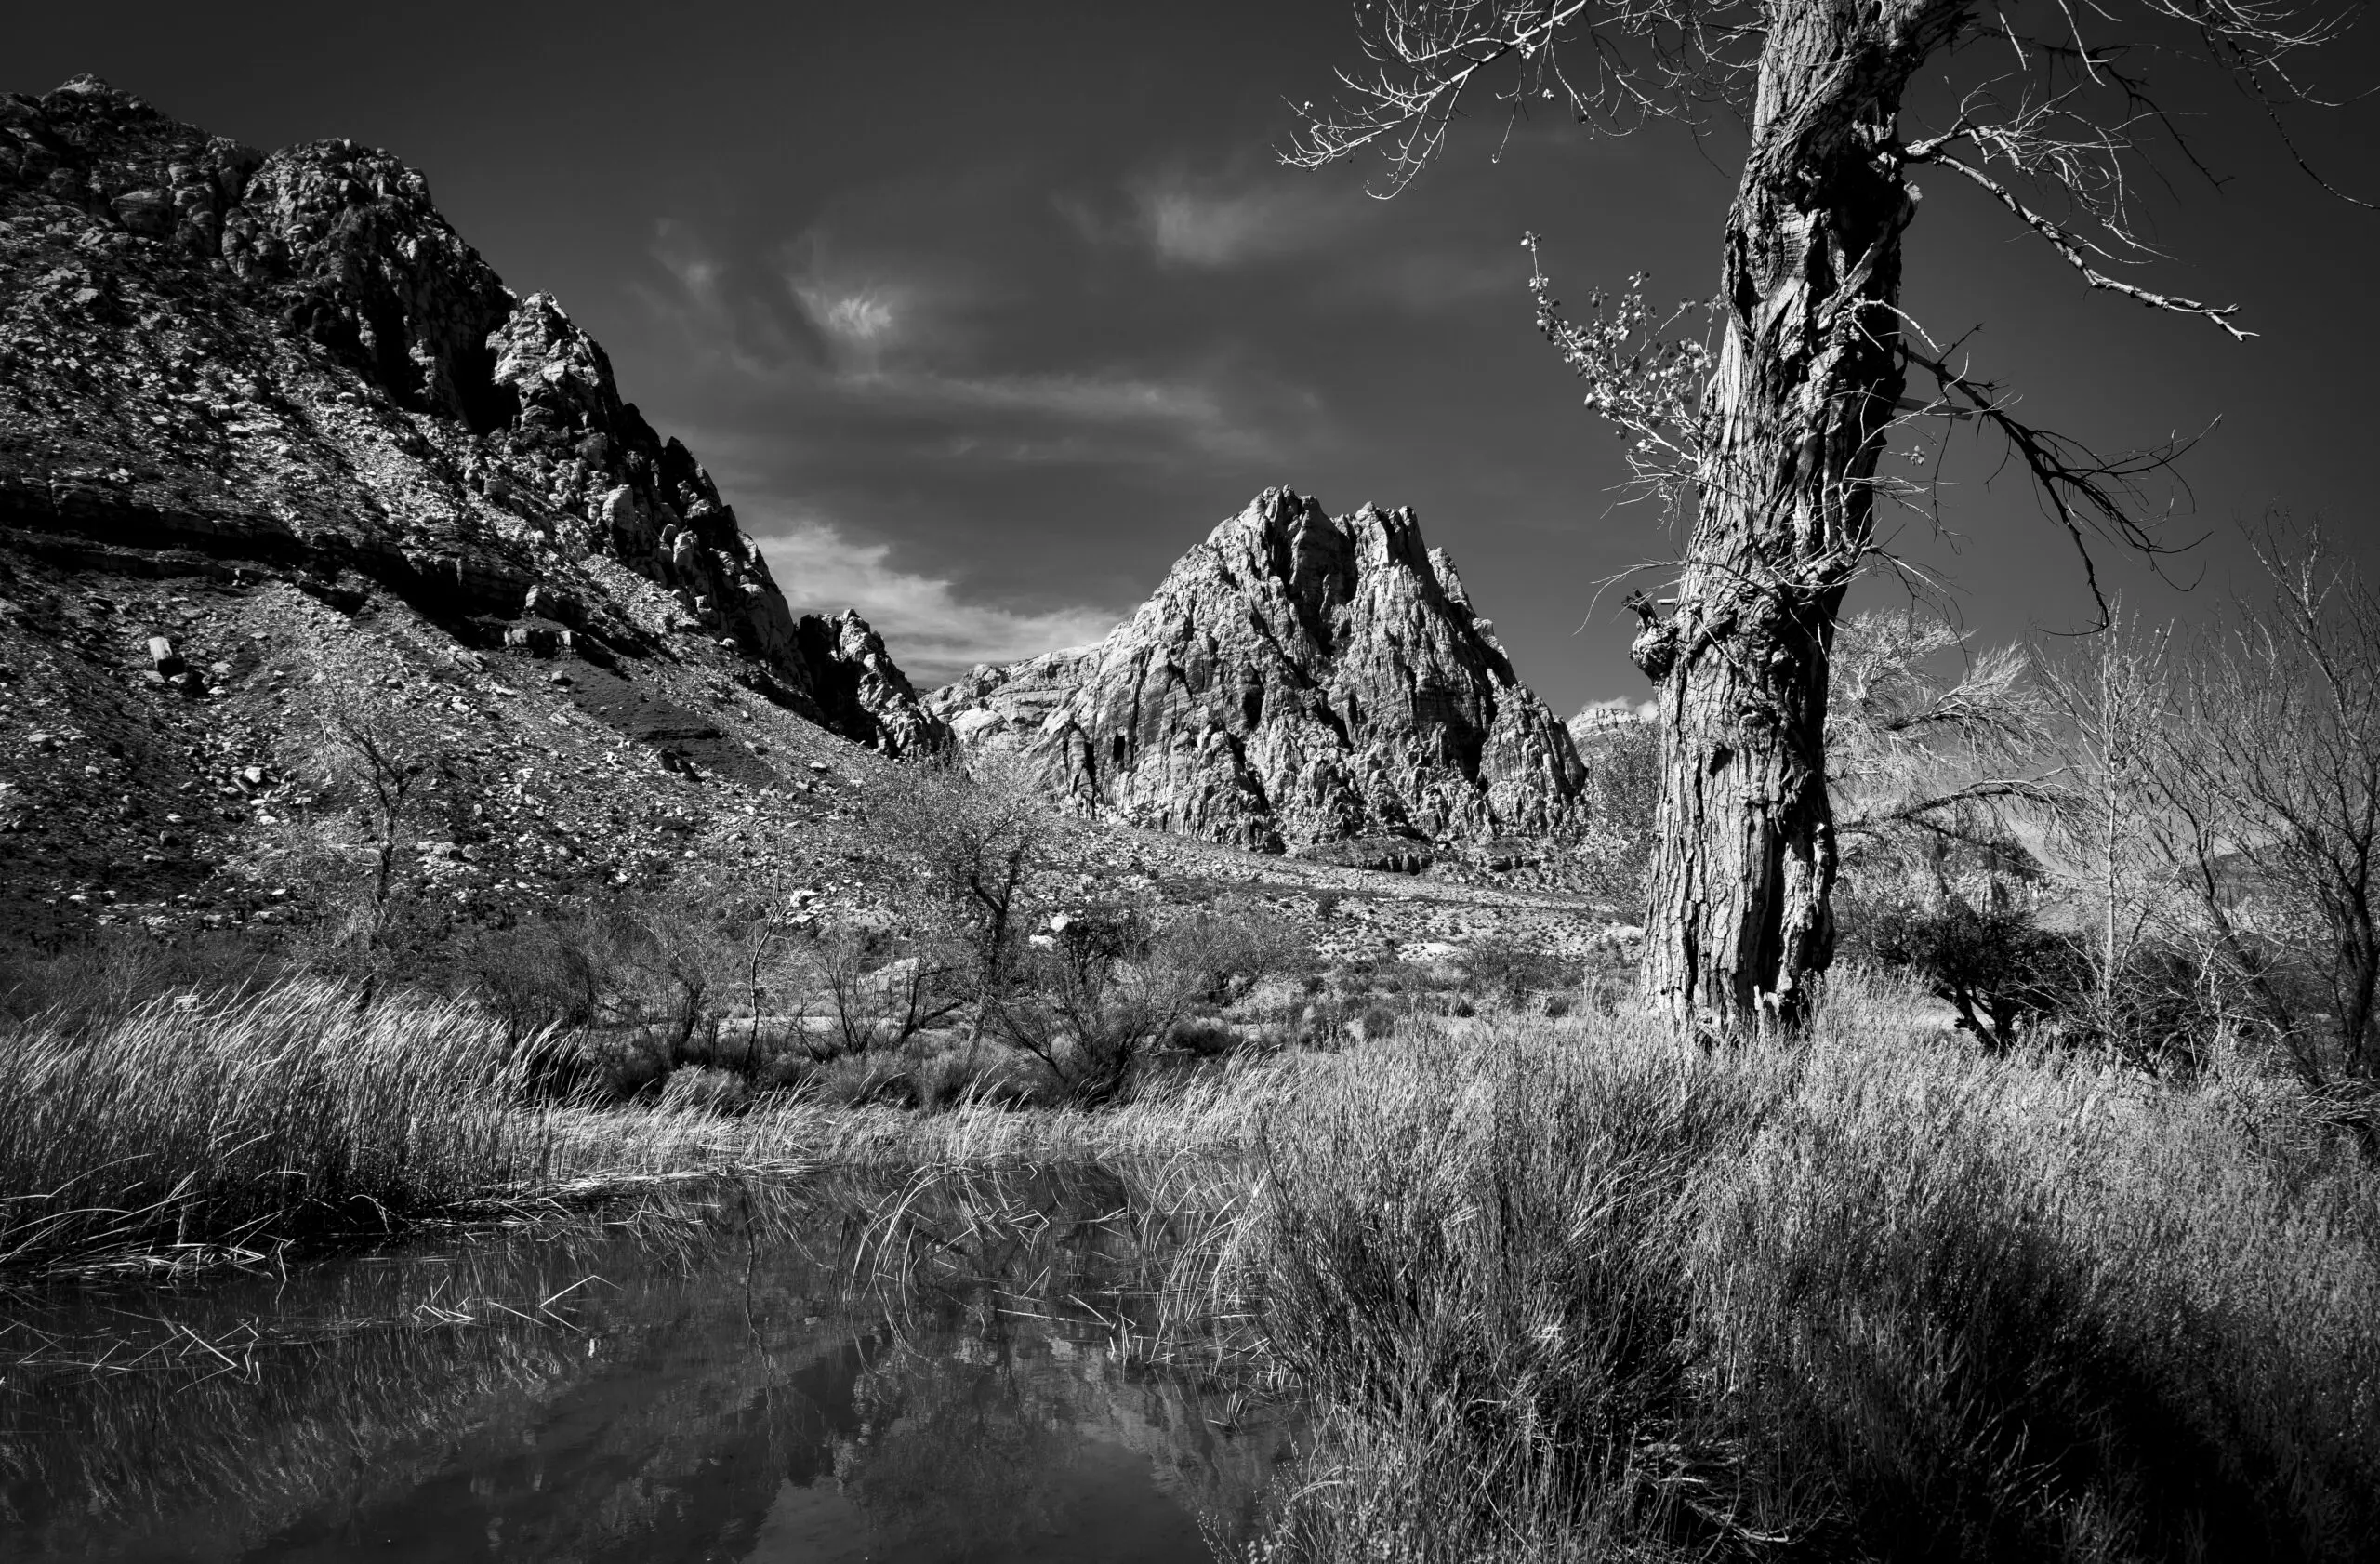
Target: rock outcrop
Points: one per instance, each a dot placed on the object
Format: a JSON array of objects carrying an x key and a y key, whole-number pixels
[
  {"x": 1296, "y": 680},
  {"x": 291, "y": 365}
]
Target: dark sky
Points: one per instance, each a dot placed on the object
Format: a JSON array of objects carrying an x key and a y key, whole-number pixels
[{"x": 982, "y": 314}]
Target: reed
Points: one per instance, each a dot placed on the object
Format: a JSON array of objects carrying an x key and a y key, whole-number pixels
[
  {"x": 1215, "y": 1112},
  {"x": 183, "y": 1133}
]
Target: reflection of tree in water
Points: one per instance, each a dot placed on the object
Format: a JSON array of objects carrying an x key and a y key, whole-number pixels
[{"x": 968, "y": 1399}]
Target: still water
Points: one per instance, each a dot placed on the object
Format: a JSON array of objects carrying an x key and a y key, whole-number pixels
[{"x": 982, "y": 1368}]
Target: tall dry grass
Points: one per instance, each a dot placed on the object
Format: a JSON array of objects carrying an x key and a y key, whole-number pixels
[
  {"x": 180, "y": 1132},
  {"x": 1214, "y": 1113},
  {"x": 1566, "y": 1293}
]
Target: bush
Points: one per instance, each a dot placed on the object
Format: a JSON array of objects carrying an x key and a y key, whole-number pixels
[
  {"x": 1997, "y": 967},
  {"x": 1093, "y": 1001},
  {"x": 89, "y": 985},
  {"x": 1228, "y": 950},
  {"x": 1508, "y": 971}
]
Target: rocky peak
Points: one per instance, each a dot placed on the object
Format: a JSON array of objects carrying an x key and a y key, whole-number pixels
[
  {"x": 294, "y": 360},
  {"x": 1298, "y": 678}
]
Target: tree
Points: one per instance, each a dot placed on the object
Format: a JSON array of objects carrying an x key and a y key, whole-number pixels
[
  {"x": 389, "y": 774},
  {"x": 1917, "y": 757},
  {"x": 2112, "y": 698},
  {"x": 976, "y": 834},
  {"x": 1771, "y": 445},
  {"x": 2267, "y": 806}
]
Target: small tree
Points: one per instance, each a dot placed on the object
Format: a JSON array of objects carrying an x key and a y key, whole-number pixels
[
  {"x": 2113, "y": 701},
  {"x": 878, "y": 990},
  {"x": 1096, "y": 998},
  {"x": 975, "y": 831},
  {"x": 388, "y": 771}
]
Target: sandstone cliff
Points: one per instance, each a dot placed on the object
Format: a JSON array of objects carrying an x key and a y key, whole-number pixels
[
  {"x": 291, "y": 365},
  {"x": 1297, "y": 679}
]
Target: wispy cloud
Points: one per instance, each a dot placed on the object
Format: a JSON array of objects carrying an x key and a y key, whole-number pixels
[
  {"x": 934, "y": 632},
  {"x": 698, "y": 295},
  {"x": 1089, "y": 416},
  {"x": 1237, "y": 218}
]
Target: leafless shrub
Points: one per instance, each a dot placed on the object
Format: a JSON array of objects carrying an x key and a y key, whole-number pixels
[
  {"x": 1508, "y": 972},
  {"x": 2265, "y": 786},
  {"x": 1230, "y": 948},
  {"x": 1093, "y": 1003},
  {"x": 976, "y": 831},
  {"x": 876, "y": 990}
]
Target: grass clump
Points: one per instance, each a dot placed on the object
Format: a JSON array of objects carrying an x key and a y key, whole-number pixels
[
  {"x": 181, "y": 1131},
  {"x": 1588, "y": 1293}
]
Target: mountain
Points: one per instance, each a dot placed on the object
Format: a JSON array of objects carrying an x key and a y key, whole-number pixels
[
  {"x": 1296, "y": 680},
  {"x": 290, "y": 362},
  {"x": 273, "y": 437}
]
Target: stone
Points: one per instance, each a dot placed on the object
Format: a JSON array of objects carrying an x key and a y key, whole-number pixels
[{"x": 1297, "y": 679}]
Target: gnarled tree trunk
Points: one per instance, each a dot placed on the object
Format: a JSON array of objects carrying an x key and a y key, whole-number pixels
[{"x": 1739, "y": 932}]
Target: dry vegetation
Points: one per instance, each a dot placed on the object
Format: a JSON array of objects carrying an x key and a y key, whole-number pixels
[
  {"x": 2093, "y": 1272},
  {"x": 1569, "y": 1294}
]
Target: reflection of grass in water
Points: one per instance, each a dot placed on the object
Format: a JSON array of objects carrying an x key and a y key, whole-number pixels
[{"x": 718, "y": 1303}]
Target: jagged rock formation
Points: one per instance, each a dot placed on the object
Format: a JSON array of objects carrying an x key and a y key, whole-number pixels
[
  {"x": 1297, "y": 679},
  {"x": 290, "y": 366}
]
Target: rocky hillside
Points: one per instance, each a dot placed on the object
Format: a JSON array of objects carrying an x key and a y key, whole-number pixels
[
  {"x": 267, "y": 420},
  {"x": 1297, "y": 679},
  {"x": 274, "y": 444},
  {"x": 291, "y": 364}
]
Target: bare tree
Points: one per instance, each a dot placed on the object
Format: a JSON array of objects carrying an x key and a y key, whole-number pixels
[
  {"x": 878, "y": 990},
  {"x": 1772, "y": 444},
  {"x": 2266, "y": 805},
  {"x": 2113, "y": 699},
  {"x": 976, "y": 834},
  {"x": 1916, "y": 753},
  {"x": 391, "y": 770}
]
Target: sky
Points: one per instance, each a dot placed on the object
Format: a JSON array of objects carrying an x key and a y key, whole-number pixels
[{"x": 982, "y": 316}]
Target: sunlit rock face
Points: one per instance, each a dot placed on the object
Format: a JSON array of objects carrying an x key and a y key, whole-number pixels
[
  {"x": 1298, "y": 678},
  {"x": 292, "y": 362}
]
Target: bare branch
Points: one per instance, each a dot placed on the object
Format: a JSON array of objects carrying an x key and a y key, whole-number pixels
[
  {"x": 2065, "y": 242},
  {"x": 1642, "y": 60},
  {"x": 2086, "y": 494}
]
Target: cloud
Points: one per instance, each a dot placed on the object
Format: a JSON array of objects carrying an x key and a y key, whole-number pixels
[
  {"x": 864, "y": 318},
  {"x": 1229, "y": 221},
  {"x": 934, "y": 633},
  {"x": 1101, "y": 416},
  {"x": 1620, "y": 706},
  {"x": 717, "y": 322}
]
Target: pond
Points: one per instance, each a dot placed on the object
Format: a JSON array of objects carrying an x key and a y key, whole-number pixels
[{"x": 1028, "y": 1365}]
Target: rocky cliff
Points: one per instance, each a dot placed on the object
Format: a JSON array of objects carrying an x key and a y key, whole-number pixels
[
  {"x": 291, "y": 365},
  {"x": 1297, "y": 679},
  {"x": 276, "y": 444}
]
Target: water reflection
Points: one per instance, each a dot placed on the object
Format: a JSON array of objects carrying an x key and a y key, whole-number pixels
[{"x": 982, "y": 1368}]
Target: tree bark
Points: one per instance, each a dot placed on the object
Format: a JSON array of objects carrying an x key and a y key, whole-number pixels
[{"x": 1738, "y": 933}]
